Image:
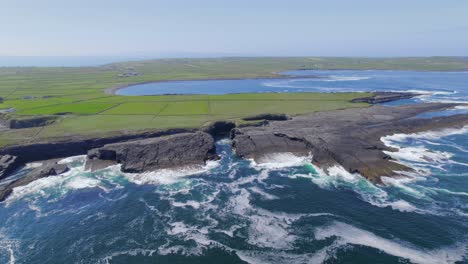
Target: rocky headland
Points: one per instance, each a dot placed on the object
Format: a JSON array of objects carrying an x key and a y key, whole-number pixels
[
  {"x": 177, "y": 150},
  {"x": 349, "y": 138}
]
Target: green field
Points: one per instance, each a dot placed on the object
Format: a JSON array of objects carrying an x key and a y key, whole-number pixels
[{"x": 77, "y": 94}]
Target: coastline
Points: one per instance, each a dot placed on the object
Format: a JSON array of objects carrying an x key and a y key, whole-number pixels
[
  {"x": 280, "y": 76},
  {"x": 113, "y": 90},
  {"x": 353, "y": 141}
]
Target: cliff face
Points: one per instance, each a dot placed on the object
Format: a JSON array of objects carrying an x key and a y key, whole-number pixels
[
  {"x": 156, "y": 153},
  {"x": 350, "y": 138},
  {"x": 72, "y": 146}
]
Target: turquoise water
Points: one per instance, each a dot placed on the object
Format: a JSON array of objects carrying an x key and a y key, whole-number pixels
[{"x": 283, "y": 210}]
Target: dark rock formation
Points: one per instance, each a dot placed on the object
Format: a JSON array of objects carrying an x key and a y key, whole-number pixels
[
  {"x": 350, "y": 138},
  {"x": 8, "y": 164},
  {"x": 219, "y": 128},
  {"x": 72, "y": 146},
  {"x": 384, "y": 97},
  {"x": 273, "y": 117},
  {"x": 155, "y": 153},
  {"x": 100, "y": 159},
  {"x": 49, "y": 168}
]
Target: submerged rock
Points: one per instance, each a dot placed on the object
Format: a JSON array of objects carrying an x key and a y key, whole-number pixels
[
  {"x": 49, "y": 168},
  {"x": 350, "y": 138},
  {"x": 155, "y": 153}
]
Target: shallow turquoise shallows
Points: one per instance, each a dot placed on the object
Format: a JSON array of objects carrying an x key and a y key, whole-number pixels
[{"x": 284, "y": 210}]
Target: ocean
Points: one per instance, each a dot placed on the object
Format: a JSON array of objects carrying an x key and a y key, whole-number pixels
[{"x": 282, "y": 210}]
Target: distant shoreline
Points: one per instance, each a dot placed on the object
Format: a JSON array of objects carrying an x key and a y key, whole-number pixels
[{"x": 113, "y": 90}]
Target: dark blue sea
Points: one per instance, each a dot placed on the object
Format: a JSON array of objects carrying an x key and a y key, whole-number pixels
[{"x": 283, "y": 210}]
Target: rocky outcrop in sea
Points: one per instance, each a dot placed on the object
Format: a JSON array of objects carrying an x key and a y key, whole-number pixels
[{"x": 172, "y": 151}]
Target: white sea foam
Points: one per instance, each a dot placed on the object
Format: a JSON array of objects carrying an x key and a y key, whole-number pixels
[
  {"x": 449, "y": 191},
  {"x": 335, "y": 78},
  {"x": 33, "y": 165},
  {"x": 270, "y": 257},
  {"x": 281, "y": 160},
  {"x": 132, "y": 252},
  {"x": 169, "y": 176},
  {"x": 189, "y": 232},
  {"x": 82, "y": 182},
  {"x": 266, "y": 229},
  {"x": 402, "y": 206},
  {"x": 8, "y": 246},
  {"x": 294, "y": 83},
  {"x": 420, "y": 154},
  {"x": 441, "y": 133},
  {"x": 417, "y": 156},
  {"x": 371, "y": 193},
  {"x": 461, "y": 107},
  {"x": 403, "y": 184},
  {"x": 12, "y": 255},
  {"x": 428, "y": 92},
  {"x": 287, "y": 84},
  {"x": 81, "y": 159},
  {"x": 353, "y": 235},
  {"x": 264, "y": 195},
  {"x": 38, "y": 187},
  {"x": 270, "y": 232},
  {"x": 224, "y": 141},
  {"x": 195, "y": 204},
  {"x": 338, "y": 177},
  {"x": 60, "y": 184}
]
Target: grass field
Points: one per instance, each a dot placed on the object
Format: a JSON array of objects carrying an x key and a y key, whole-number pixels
[{"x": 77, "y": 94}]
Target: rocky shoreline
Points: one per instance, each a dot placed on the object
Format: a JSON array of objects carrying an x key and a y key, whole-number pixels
[{"x": 349, "y": 138}]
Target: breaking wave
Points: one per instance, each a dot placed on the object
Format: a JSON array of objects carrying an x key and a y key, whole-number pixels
[
  {"x": 347, "y": 234},
  {"x": 337, "y": 177},
  {"x": 59, "y": 185},
  {"x": 169, "y": 176},
  {"x": 236, "y": 206},
  {"x": 296, "y": 83},
  {"x": 7, "y": 249},
  {"x": 335, "y": 78},
  {"x": 281, "y": 160}
]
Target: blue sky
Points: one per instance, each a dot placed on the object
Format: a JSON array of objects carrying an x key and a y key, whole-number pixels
[{"x": 233, "y": 27}]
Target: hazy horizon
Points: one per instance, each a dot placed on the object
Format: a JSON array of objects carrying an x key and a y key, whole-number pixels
[
  {"x": 144, "y": 28},
  {"x": 92, "y": 61}
]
